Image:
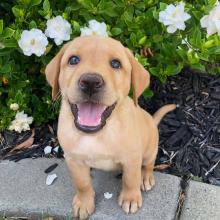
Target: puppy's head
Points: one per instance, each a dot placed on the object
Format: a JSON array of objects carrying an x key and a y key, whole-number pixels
[{"x": 94, "y": 74}]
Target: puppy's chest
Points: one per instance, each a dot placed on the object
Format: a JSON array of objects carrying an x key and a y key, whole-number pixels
[{"x": 95, "y": 154}]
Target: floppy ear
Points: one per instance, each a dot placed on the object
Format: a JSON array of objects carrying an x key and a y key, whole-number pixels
[
  {"x": 140, "y": 77},
  {"x": 52, "y": 71}
]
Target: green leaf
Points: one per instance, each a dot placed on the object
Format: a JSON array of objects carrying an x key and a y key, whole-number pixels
[
  {"x": 10, "y": 43},
  {"x": 209, "y": 43},
  {"x": 198, "y": 66},
  {"x": 76, "y": 26},
  {"x": 4, "y": 52},
  {"x": 18, "y": 12},
  {"x": 116, "y": 31},
  {"x": 162, "y": 6},
  {"x": 173, "y": 69},
  {"x": 32, "y": 24},
  {"x": 142, "y": 40},
  {"x": 203, "y": 56},
  {"x": 182, "y": 53},
  {"x": 6, "y": 68},
  {"x": 196, "y": 37},
  {"x": 148, "y": 93},
  {"x": 8, "y": 32},
  {"x": 214, "y": 50},
  {"x": 35, "y": 2},
  {"x": 154, "y": 71},
  {"x": 1, "y": 26},
  {"x": 46, "y": 5},
  {"x": 211, "y": 2}
]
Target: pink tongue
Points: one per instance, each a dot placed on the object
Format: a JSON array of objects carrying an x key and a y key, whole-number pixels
[{"x": 89, "y": 114}]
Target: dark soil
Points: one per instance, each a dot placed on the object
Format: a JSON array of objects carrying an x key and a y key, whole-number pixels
[
  {"x": 189, "y": 136},
  {"x": 44, "y": 136}
]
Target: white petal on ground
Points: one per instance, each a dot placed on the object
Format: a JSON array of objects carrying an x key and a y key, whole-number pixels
[
  {"x": 47, "y": 150},
  {"x": 108, "y": 195},
  {"x": 56, "y": 149},
  {"x": 50, "y": 179}
]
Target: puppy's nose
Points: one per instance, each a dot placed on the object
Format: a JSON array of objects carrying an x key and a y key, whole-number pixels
[{"x": 91, "y": 83}]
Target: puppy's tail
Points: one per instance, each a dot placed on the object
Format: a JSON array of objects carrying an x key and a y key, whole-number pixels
[{"x": 160, "y": 113}]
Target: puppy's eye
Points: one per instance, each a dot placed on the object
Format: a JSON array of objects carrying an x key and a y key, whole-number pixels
[
  {"x": 74, "y": 60},
  {"x": 116, "y": 64}
]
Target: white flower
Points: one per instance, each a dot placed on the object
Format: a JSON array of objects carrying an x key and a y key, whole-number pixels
[
  {"x": 212, "y": 21},
  {"x": 21, "y": 122},
  {"x": 95, "y": 28},
  {"x": 33, "y": 42},
  {"x": 14, "y": 106},
  {"x": 174, "y": 17},
  {"x": 59, "y": 29}
]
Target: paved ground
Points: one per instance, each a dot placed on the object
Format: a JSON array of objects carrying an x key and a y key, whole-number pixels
[
  {"x": 23, "y": 192},
  {"x": 202, "y": 202}
]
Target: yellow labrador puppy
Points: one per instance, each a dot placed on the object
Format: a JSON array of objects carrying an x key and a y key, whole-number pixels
[{"x": 100, "y": 126}]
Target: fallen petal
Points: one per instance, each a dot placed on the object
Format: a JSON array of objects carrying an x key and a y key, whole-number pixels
[
  {"x": 108, "y": 195},
  {"x": 50, "y": 179},
  {"x": 56, "y": 149},
  {"x": 47, "y": 150}
]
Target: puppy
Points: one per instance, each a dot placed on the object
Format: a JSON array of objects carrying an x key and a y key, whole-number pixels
[{"x": 100, "y": 126}]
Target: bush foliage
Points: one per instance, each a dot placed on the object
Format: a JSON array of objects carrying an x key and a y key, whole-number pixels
[{"x": 133, "y": 22}]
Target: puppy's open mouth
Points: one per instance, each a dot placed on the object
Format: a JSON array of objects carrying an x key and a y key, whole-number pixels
[{"x": 90, "y": 116}]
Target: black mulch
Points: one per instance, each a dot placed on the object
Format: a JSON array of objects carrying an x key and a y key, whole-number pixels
[
  {"x": 189, "y": 136},
  {"x": 44, "y": 136}
]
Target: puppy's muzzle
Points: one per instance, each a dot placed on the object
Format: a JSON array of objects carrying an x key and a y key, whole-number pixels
[
  {"x": 90, "y": 114},
  {"x": 91, "y": 83}
]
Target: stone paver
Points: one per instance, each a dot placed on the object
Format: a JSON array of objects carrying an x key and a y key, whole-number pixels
[
  {"x": 202, "y": 202},
  {"x": 23, "y": 192}
]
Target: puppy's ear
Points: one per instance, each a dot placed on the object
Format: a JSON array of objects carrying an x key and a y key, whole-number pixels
[
  {"x": 52, "y": 71},
  {"x": 140, "y": 77}
]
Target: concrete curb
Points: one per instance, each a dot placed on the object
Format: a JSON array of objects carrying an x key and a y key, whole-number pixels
[
  {"x": 202, "y": 202},
  {"x": 24, "y": 193}
]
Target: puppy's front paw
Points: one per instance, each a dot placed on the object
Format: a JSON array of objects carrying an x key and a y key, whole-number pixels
[
  {"x": 130, "y": 201},
  {"x": 83, "y": 207},
  {"x": 148, "y": 181}
]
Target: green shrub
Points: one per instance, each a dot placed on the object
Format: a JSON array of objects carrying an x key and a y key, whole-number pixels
[{"x": 134, "y": 22}]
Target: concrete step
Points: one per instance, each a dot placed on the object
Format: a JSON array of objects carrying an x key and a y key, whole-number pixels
[
  {"x": 23, "y": 192},
  {"x": 202, "y": 202}
]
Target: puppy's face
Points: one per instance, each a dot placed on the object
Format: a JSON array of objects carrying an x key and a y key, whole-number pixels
[{"x": 94, "y": 74}]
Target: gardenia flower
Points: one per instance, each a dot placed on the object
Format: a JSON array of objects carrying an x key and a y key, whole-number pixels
[
  {"x": 174, "y": 17},
  {"x": 21, "y": 122},
  {"x": 212, "y": 21},
  {"x": 95, "y": 28},
  {"x": 59, "y": 29},
  {"x": 14, "y": 106},
  {"x": 33, "y": 42}
]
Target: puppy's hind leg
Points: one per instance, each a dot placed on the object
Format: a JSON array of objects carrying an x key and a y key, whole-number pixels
[
  {"x": 83, "y": 202},
  {"x": 148, "y": 180}
]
